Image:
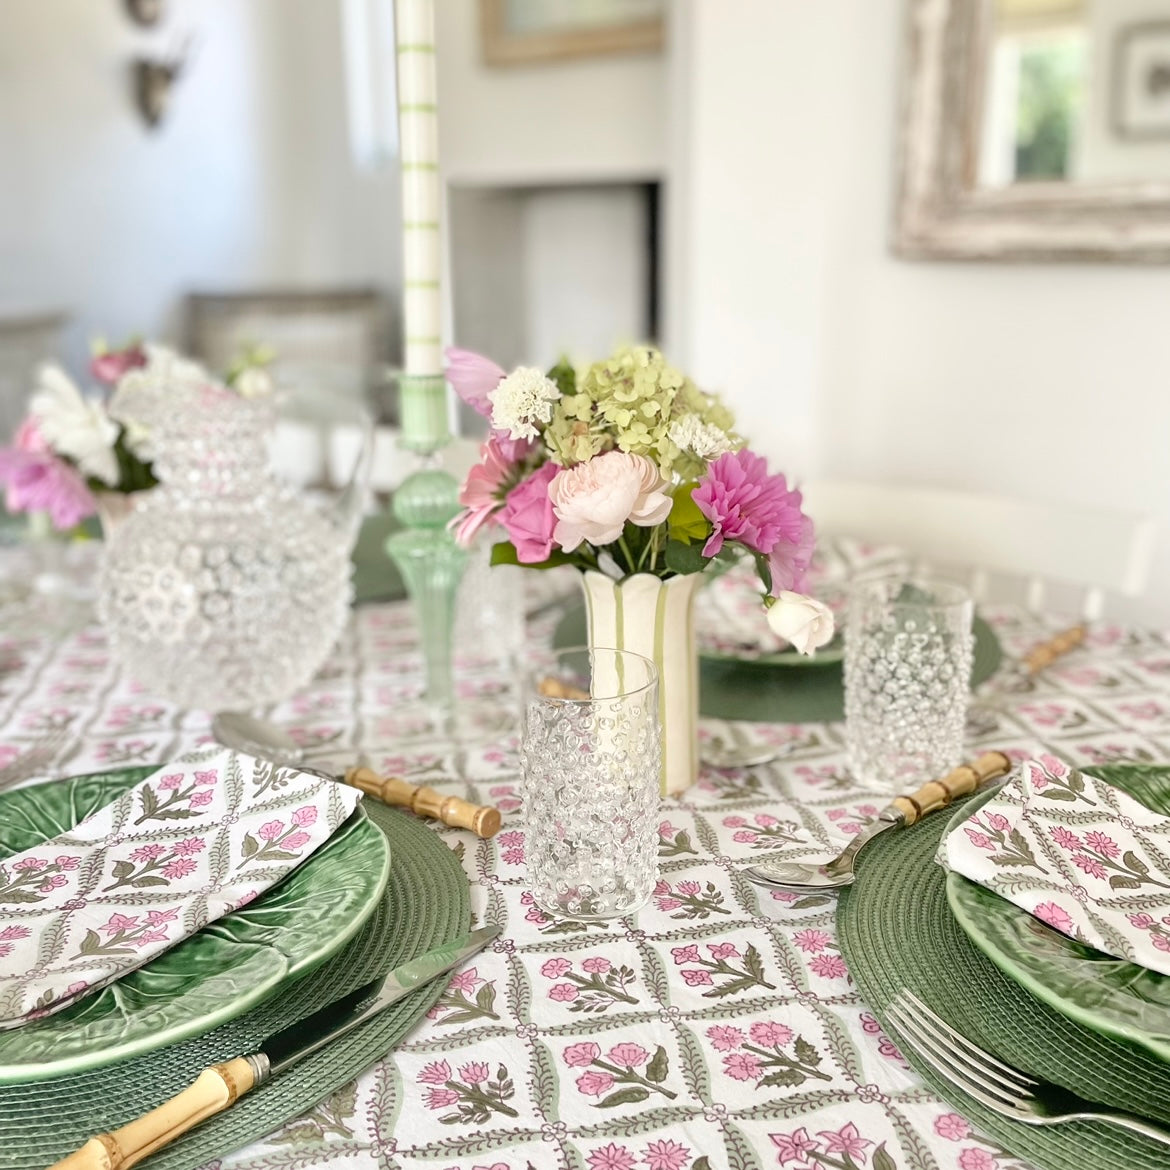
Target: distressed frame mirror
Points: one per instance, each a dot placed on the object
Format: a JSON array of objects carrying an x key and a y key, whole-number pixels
[{"x": 943, "y": 214}]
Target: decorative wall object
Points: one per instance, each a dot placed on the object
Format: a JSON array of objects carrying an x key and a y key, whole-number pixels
[
  {"x": 1141, "y": 81},
  {"x": 520, "y": 32}
]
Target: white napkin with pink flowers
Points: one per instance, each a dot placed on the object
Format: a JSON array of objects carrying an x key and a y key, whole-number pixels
[
  {"x": 199, "y": 838},
  {"x": 1079, "y": 854}
]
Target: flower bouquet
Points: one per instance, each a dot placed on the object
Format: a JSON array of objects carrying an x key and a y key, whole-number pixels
[
  {"x": 631, "y": 473},
  {"x": 69, "y": 454}
]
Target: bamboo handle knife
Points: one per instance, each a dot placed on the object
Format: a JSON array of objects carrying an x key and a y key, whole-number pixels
[{"x": 962, "y": 781}]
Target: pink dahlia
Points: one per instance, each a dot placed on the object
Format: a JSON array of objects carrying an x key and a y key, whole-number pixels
[
  {"x": 482, "y": 493},
  {"x": 746, "y": 504}
]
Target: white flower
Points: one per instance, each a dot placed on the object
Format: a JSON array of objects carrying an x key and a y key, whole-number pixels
[
  {"x": 523, "y": 398},
  {"x": 73, "y": 426},
  {"x": 253, "y": 382},
  {"x": 803, "y": 621},
  {"x": 705, "y": 440}
]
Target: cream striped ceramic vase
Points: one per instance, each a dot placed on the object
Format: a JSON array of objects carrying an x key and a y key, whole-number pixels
[{"x": 655, "y": 618}]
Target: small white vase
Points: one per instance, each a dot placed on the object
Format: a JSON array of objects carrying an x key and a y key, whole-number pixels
[{"x": 655, "y": 618}]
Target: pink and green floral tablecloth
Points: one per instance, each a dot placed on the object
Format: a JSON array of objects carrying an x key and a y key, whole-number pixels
[{"x": 718, "y": 1029}]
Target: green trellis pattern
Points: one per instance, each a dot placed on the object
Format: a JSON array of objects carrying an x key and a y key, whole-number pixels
[{"x": 718, "y": 1028}]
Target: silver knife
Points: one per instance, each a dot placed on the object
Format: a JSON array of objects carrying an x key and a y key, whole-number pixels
[{"x": 222, "y": 1085}]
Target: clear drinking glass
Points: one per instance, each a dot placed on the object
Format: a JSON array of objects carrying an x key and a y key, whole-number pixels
[
  {"x": 908, "y": 653},
  {"x": 591, "y": 755}
]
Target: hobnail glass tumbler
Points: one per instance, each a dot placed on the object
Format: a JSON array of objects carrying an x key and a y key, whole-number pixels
[
  {"x": 908, "y": 653},
  {"x": 591, "y": 758}
]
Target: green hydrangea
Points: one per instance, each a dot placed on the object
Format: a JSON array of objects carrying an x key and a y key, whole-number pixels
[{"x": 629, "y": 401}]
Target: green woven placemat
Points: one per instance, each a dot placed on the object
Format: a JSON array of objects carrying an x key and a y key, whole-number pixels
[
  {"x": 781, "y": 694},
  {"x": 426, "y": 904},
  {"x": 896, "y": 930}
]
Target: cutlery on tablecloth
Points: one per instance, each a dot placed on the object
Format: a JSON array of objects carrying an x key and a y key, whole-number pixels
[
  {"x": 902, "y": 810},
  {"x": 220, "y": 1086},
  {"x": 998, "y": 1086},
  {"x": 244, "y": 733}
]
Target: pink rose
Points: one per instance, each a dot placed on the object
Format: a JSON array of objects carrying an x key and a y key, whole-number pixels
[
  {"x": 555, "y": 968},
  {"x": 305, "y": 816},
  {"x": 270, "y": 830},
  {"x": 580, "y": 1055},
  {"x": 593, "y": 1084},
  {"x": 596, "y": 966},
  {"x": 627, "y": 1055},
  {"x": 564, "y": 992},
  {"x": 474, "y": 1073},
  {"x": 594, "y": 500},
  {"x": 770, "y": 1035},
  {"x": 528, "y": 516}
]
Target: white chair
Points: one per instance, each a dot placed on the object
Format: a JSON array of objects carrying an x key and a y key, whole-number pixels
[{"x": 1096, "y": 550}]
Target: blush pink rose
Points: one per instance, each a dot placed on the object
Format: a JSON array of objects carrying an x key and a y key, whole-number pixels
[
  {"x": 580, "y": 1055},
  {"x": 594, "y": 500},
  {"x": 528, "y": 517}
]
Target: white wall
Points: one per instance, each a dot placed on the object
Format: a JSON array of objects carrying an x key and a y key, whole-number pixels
[
  {"x": 1047, "y": 382},
  {"x": 246, "y": 184},
  {"x": 593, "y": 118}
]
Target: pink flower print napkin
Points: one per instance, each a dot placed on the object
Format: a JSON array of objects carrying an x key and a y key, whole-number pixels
[
  {"x": 1079, "y": 854},
  {"x": 199, "y": 838}
]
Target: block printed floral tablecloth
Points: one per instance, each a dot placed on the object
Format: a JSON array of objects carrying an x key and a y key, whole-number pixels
[{"x": 720, "y": 1029}]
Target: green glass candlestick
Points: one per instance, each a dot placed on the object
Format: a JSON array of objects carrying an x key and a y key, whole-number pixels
[{"x": 430, "y": 561}]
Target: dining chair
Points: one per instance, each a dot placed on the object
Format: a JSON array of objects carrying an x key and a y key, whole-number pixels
[{"x": 1094, "y": 551}]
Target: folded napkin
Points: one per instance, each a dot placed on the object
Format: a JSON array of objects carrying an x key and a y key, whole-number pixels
[
  {"x": 1079, "y": 854},
  {"x": 197, "y": 839}
]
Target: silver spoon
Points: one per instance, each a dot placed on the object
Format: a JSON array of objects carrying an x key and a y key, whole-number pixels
[
  {"x": 256, "y": 737},
  {"x": 724, "y": 761},
  {"x": 800, "y": 876}
]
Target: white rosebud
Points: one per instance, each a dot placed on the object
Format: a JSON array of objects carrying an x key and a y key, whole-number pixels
[{"x": 803, "y": 621}]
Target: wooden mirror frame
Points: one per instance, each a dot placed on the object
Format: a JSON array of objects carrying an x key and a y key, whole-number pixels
[{"x": 941, "y": 215}]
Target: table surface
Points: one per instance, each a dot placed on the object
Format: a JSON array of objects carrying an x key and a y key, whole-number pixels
[{"x": 717, "y": 1028}]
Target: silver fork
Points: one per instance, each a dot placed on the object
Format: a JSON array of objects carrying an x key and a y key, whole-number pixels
[
  {"x": 1003, "y": 1089},
  {"x": 35, "y": 759}
]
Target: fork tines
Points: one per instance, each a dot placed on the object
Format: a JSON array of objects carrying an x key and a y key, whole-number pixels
[{"x": 959, "y": 1060}]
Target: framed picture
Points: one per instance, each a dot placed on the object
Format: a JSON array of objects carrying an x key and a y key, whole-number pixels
[
  {"x": 521, "y": 32},
  {"x": 1141, "y": 81}
]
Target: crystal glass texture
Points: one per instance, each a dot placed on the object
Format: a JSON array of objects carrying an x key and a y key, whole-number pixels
[
  {"x": 223, "y": 587},
  {"x": 908, "y": 655},
  {"x": 590, "y": 782}
]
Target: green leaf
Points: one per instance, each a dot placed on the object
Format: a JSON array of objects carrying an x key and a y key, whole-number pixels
[
  {"x": 175, "y": 814},
  {"x": 504, "y": 553},
  {"x": 122, "y": 869},
  {"x": 881, "y": 1159},
  {"x": 564, "y": 375},
  {"x": 1120, "y": 882},
  {"x": 1054, "y": 793},
  {"x": 765, "y": 571},
  {"x": 753, "y": 963},
  {"x": 703, "y": 1163},
  {"x": 806, "y": 1053},
  {"x": 485, "y": 998},
  {"x": 280, "y": 855},
  {"x": 629, "y": 1096},
  {"x": 686, "y": 523},
  {"x": 149, "y": 880},
  {"x": 20, "y": 896},
  {"x": 1021, "y": 844},
  {"x": 657, "y": 1069},
  {"x": 684, "y": 558},
  {"x": 811, "y": 901},
  {"x": 251, "y": 845},
  {"x": 1076, "y": 782},
  {"x": 1135, "y": 862},
  {"x": 784, "y": 1076},
  {"x": 91, "y": 944},
  {"x": 149, "y": 802}
]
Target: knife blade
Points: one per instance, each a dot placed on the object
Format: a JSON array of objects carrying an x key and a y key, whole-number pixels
[{"x": 219, "y": 1087}]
